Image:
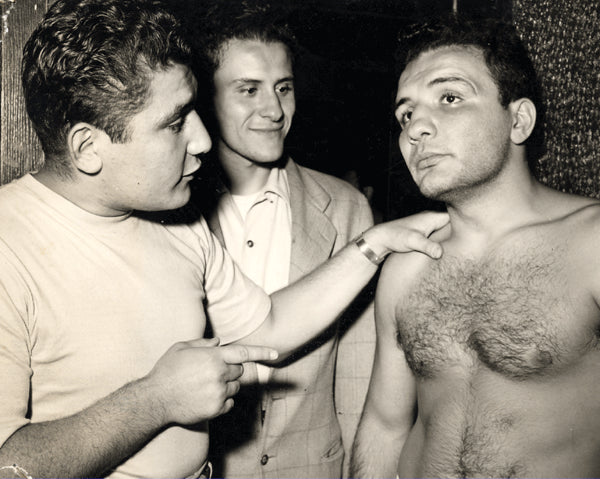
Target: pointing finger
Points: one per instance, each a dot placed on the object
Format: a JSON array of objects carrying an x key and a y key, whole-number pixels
[{"x": 239, "y": 353}]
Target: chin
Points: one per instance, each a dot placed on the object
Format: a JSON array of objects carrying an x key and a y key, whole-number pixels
[
  {"x": 177, "y": 200},
  {"x": 434, "y": 193},
  {"x": 267, "y": 159}
]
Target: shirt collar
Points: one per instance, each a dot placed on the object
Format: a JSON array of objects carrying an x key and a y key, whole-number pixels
[{"x": 277, "y": 183}]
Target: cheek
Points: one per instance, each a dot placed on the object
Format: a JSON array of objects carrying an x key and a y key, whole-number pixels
[
  {"x": 404, "y": 145},
  {"x": 289, "y": 106},
  {"x": 489, "y": 136},
  {"x": 225, "y": 108},
  {"x": 233, "y": 119}
]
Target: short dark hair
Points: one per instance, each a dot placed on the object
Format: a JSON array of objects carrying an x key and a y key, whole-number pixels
[
  {"x": 227, "y": 20},
  {"x": 503, "y": 51},
  {"x": 90, "y": 60}
]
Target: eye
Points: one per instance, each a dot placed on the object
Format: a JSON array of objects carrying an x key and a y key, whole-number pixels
[
  {"x": 177, "y": 126},
  {"x": 404, "y": 118},
  {"x": 286, "y": 88},
  {"x": 250, "y": 90},
  {"x": 450, "y": 98}
]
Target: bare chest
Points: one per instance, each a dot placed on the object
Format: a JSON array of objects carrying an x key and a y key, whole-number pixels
[{"x": 516, "y": 315}]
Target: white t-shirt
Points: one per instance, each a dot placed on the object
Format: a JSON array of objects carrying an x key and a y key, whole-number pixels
[{"x": 89, "y": 303}]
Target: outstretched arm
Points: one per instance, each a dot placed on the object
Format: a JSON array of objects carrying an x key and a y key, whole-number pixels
[
  {"x": 390, "y": 406},
  {"x": 192, "y": 382},
  {"x": 307, "y": 307}
]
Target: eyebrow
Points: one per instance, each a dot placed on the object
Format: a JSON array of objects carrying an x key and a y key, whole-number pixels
[
  {"x": 438, "y": 81},
  {"x": 179, "y": 111},
  {"x": 253, "y": 80}
]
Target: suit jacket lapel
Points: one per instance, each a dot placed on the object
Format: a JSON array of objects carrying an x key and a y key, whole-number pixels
[{"x": 313, "y": 234}]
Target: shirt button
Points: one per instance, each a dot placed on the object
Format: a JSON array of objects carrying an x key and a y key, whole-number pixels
[
  {"x": 250, "y": 243},
  {"x": 264, "y": 459}
]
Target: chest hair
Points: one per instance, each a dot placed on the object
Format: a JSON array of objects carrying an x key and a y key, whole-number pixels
[{"x": 512, "y": 314}]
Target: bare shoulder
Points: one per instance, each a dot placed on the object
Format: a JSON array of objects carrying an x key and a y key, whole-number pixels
[
  {"x": 563, "y": 206},
  {"x": 582, "y": 234},
  {"x": 578, "y": 229},
  {"x": 583, "y": 216},
  {"x": 400, "y": 273},
  {"x": 400, "y": 270}
]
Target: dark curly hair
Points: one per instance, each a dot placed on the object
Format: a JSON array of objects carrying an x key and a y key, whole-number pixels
[
  {"x": 91, "y": 60},
  {"x": 503, "y": 51}
]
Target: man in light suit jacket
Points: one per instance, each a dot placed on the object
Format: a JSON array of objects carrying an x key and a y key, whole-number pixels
[{"x": 280, "y": 221}]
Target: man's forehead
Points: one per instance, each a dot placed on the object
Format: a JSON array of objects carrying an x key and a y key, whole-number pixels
[
  {"x": 446, "y": 61},
  {"x": 172, "y": 76},
  {"x": 248, "y": 47},
  {"x": 170, "y": 88}
]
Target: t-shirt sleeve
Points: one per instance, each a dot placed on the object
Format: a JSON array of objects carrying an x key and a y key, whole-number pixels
[
  {"x": 15, "y": 348},
  {"x": 235, "y": 305}
]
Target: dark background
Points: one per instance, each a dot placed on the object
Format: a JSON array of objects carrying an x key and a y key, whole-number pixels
[{"x": 346, "y": 85}]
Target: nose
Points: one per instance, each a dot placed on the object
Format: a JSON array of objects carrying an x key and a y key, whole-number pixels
[
  {"x": 199, "y": 139},
  {"x": 421, "y": 125},
  {"x": 271, "y": 107}
]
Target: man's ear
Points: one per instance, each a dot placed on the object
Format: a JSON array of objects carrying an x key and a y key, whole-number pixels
[
  {"x": 524, "y": 115},
  {"x": 82, "y": 149}
]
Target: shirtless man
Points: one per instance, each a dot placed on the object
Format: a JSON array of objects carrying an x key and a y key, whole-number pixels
[{"x": 487, "y": 362}]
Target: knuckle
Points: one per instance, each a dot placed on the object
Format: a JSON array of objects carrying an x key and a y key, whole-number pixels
[
  {"x": 236, "y": 387},
  {"x": 244, "y": 354}
]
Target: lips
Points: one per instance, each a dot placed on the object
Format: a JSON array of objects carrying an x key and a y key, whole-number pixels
[
  {"x": 427, "y": 159},
  {"x": 193, "y": 171},
  {"x": 266, "y": 130}
]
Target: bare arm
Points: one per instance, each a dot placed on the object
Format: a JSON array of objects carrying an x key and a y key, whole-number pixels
[
  {"x": 390, "y": 406},
  {"x": 192, "y": 382},
  {"x": 306, "y": 308}
]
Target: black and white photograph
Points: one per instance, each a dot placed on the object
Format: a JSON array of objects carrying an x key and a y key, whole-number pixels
[{"x": 300, "y": 239}]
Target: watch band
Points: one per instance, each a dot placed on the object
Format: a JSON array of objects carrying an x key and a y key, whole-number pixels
[{"x": 365, "y": 249}]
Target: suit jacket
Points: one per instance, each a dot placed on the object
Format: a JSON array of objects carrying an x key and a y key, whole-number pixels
[{"x": 294, "y": 425}]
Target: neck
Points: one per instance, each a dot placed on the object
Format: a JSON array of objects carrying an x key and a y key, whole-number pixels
[
  {"x": 75, "y": 189},
  {"x": 244, "y": 177},
  {"x": 478, "y": 219}
]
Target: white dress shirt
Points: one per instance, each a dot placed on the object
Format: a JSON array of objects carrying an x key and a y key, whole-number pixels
[{"x": 258, "y": 234}]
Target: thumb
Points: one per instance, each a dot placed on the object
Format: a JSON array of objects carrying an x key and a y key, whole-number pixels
[
  {"x": 417, "y": 242},
  {"x": 428, "y": 222}
]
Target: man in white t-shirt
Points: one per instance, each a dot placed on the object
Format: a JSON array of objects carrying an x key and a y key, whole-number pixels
[
  {"x": 279, "y": 221},
  {"x": 102, "y": 309}
]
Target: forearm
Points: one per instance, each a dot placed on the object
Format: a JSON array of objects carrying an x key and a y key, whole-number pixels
[
  {"x": 307, "y": 307},
  {"x": 90, "y": 442}
]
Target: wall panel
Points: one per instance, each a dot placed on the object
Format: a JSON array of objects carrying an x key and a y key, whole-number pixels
[{"x": 19, "y": 148}]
